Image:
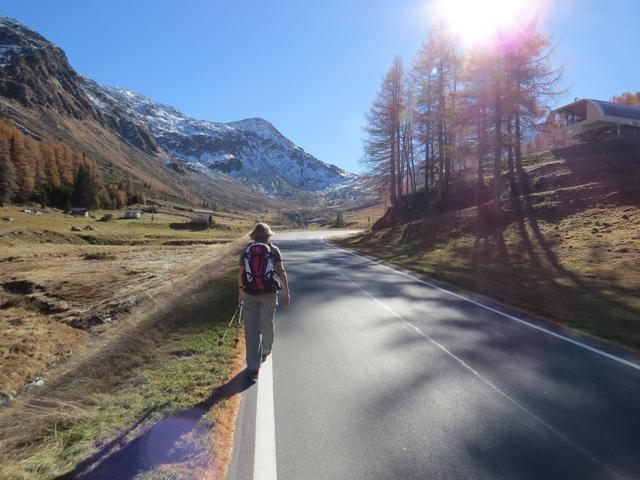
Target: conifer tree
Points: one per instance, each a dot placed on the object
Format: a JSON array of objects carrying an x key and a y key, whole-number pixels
[
  {"x": 49, "y": 165},
  {"x": 383, "y": 145},
  {"x": 435, "y": 77},
  {"x": 531, "y": 82},
  {"x": 25, "y": 172},
  {"x": 85, "y": 192},
  {"x": 7, "y": 173}
]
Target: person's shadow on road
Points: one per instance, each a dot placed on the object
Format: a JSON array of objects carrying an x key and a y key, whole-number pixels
[{"x": 123, "y": 458}]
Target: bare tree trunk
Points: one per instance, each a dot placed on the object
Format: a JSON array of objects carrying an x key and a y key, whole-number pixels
[
  {"x": 480, "y": 154},
  {"x": 497, "y": 160},
  {"x": 513, "y": 187},
  {"x": 441, "y": 133},
  {"x": 522, "y": 176},
  {"x": 412, "y": 167}
]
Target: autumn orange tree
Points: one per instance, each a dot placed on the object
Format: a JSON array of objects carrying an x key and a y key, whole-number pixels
[
  {"x": 383, "y": 149},
  {"x": 627, "y": 98},
  {"x": 434, "y": 81},
  {"x": 462, "y": 109},
  {"x": 55, "y": 174}
]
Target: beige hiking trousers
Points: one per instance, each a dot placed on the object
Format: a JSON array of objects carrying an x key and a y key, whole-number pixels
[{"x": 258, "y": 326}]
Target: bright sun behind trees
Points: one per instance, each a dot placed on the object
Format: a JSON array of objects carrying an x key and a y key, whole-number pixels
[
  {"x": 478, "y": 86},
  {"x": 482, "y": 23}
]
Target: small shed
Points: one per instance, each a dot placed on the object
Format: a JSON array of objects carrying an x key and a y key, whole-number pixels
[
  {"x": 203, "y": 217},
  {"x": 79, "y": 212},
  {"x": 133, "y": 213}
]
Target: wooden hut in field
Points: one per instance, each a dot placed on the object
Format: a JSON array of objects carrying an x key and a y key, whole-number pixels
[
  {"x": 203, "y": 217},
  {"x": 79, "y": 212},
  {"x": 133, "y": 213}
]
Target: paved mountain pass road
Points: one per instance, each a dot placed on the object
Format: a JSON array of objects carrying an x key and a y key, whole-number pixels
[{"x": 379, "y": 374}]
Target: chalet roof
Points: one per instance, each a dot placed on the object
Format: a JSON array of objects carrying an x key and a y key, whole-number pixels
[
  {"x": 607, "y": 108},
  {"x": 619, "y": 110}
]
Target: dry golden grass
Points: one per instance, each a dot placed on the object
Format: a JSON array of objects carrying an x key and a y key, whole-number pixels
[
  {"x": 72, "y": 291},
  {"x": 569, "y": 252},
  {"x": 30, "y": 343},
  {"x": 29, "y": 441},
  {"x": 363, "y": 218},
  {"x": 89, "y": 286},
  {"x": 169, "y": 224}
]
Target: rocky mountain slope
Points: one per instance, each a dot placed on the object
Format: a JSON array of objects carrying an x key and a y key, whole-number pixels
[
  {"x": 35, "y": 75},
  {"x": 251, "y": 150}
]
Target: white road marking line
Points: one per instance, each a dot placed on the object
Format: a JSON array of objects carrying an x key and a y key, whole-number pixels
[
  {"x": 595, "y": 350},
  {"x": 483, "y": 379},
  {"x": 264, "y": 460}
]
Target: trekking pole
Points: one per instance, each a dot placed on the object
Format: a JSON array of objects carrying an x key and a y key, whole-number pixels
[
  {"x": 235, "y": 314},
  {"x": 239, "y": 324}
]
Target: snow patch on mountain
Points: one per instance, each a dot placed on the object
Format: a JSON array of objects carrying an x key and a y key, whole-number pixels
[
  {"x": 8, "y": 53},
  {"x": 252, "y": 150}
]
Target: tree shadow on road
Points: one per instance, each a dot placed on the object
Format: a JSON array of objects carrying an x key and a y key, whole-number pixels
[{"x": 162, "y": 443}]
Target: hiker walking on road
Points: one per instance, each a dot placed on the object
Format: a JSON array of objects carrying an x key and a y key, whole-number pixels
[{"x": 260, "y": 262}]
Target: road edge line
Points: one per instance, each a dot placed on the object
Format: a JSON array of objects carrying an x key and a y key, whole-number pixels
[
  {"x": 264, "y": 460},
  {"x": 477, "y": 303},
  {"x": 485, "y": 380}
]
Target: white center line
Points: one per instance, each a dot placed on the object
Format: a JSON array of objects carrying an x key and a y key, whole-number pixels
[{"x": 264, "y": 460}]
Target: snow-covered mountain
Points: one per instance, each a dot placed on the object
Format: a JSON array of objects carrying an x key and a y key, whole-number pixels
[
  {"x": 35, "y": 73},
  {"x": 252, "y": 151}
]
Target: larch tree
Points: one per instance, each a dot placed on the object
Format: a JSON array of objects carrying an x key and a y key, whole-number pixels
[
  {"x": 49, "y": 164},
  {"x": 475, "y": 106},
  {"x": 85, "y": 191},
  {"x": 531, "y": 82},
  {"x": 382, "y": 146},
  {"x": 35, "y": 154},
  {"x": 424, "y": 87},
  {"x": 25, "y": 171},
  {"x": 7, "y": 173},
  {"x": 434, "y": 78}
]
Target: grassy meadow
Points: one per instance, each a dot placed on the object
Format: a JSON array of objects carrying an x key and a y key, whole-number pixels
[{"x": 108, "y": 330}]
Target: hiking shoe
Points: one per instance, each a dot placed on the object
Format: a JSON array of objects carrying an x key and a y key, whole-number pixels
[
  {"x": 253, "y": 374},
  {"x": 264, "y": 356}
]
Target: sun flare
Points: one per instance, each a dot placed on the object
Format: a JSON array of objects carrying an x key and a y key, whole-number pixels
[{"x": 486, "y": 21}]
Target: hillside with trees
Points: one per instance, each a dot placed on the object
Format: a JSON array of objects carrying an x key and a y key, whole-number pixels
[
  {"x": 454, "y": 115},
  {"x": 553, "y": 233},
  {"x": 54, "y": 174}
]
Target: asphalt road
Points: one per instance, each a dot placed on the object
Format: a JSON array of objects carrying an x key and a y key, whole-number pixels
[{"x": 376, "y": 374}]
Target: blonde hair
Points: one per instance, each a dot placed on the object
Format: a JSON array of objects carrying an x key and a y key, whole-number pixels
[{"x": 261, "y": 233}]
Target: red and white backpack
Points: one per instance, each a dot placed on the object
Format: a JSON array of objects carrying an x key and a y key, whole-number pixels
[{"x": 259, "y": 269}]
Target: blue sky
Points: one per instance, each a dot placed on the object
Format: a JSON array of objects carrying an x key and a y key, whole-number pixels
[{"x": 310, "y": 67}]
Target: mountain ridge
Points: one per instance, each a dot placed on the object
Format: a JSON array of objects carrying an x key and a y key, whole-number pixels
[
  {"x": 36, "y": 74},
  {"x": 251, "y": 150}
]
